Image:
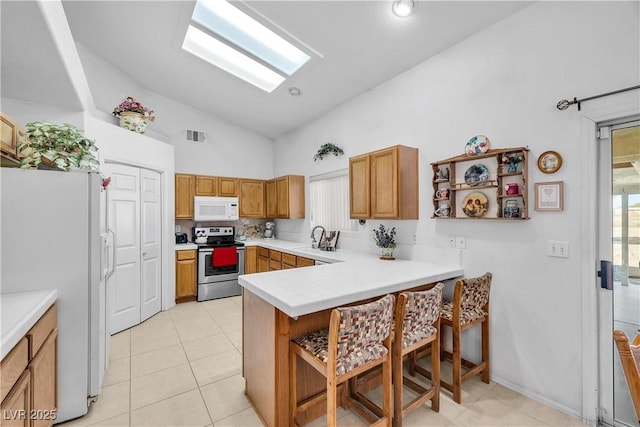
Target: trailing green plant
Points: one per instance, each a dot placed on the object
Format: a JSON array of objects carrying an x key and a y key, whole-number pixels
[
  {"x": 326, "y": 149},
  {"x": 62, "y": 146}
]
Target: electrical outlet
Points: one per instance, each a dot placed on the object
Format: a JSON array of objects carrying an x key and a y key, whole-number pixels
[
  {"x": 461, "y": 242},
  {"x": 178, "y": 228},
  {"x": 452, "y": 241},
  {"x": 559, "y": 249},
  {"x": 415, "y": 238}
]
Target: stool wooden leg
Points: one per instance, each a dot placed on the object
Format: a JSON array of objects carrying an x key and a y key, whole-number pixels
[
  {"x": 387, "y": 390},
  {"x": 332, "y": 400},
  {"x": 485, "y": 350},
  {"x": 457, "y": 365},
  {"x": 293, "y": 398},
  {"x": 397, "y": 385},
  {"x": 435, "y": 373}
]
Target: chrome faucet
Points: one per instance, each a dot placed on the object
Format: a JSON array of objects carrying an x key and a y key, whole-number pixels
[{"x": 314, "y": 243}]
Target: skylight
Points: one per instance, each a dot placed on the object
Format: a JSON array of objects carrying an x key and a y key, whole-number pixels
[
  {"x": 232, "y": 25},
  {"x": 230, "y": 60}
]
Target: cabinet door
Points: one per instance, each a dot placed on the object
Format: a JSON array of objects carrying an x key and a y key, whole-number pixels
[
  {"x": 250, "y": 260},
  {"x": 8, "y": 136},
  {"x": 186, "y": 288},
  {"x": 384, "y": 183},
  {"x": 282, "y": 195},
  {"x": 43, "y": 382},
  {"x": 304, "y": 262},
  {"x": 227, "y": 187},
  {"x": 184, "y": 196},
  {"x": 272, "y": 200},
  {"x": 16, "y": 406},
  {"x": 252, "y": 198},
  {"x": 263, "y": 264},
  {"x": 206, "y": 186},
  {"x": 359, "y": 187}
]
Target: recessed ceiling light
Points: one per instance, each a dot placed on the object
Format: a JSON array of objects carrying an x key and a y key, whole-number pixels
[
  {"x": 230, "y": 60},
  {"x": 235, "y": 26},
  {"x": 402, "y": 8},
  {"x": 294, "y": 91}
]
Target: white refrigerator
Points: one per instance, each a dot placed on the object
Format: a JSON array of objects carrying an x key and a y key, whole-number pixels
[{"x": 53, "y": 236}]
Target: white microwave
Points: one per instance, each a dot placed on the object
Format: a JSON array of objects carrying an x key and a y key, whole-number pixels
[{"x": 215, "y": 208}]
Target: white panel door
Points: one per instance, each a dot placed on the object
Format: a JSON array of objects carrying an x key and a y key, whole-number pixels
[
  {"x": 123, "y": 287},
  {"x": 151, "y": 294}
]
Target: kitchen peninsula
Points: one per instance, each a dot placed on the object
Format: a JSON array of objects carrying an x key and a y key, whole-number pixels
[{"x": 281, "y": 305}]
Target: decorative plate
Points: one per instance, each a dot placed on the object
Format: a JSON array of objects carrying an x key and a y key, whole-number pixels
[
  {"x": 475, "y": 204},
  {"x": 479, "y": 144},
  {"x": 477, "y": 174},
  {"x": 549, "y": 162}
]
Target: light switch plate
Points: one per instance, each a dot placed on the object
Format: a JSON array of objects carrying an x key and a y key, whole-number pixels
[
  {"x": 558, "y": 248},
  {"x": 461, "y": 242}
]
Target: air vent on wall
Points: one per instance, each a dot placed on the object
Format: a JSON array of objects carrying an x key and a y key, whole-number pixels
[{"x": 195, "y": 136}]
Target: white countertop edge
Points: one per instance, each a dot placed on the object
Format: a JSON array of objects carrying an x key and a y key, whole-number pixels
[
  {"x": 20, "y": 311},
  {"x": 186, "y": 246},
  {"x": 315, "y": 306}
]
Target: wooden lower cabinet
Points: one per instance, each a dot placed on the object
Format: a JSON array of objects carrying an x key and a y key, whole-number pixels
[
  {"x": 186, "y": 286},
  {"x": 30, "y": 376},
  {"x": 259, "y": 259},
  {"x": 263, "y": 260},
  {"x": 250, "y": 260},
  {"x": 43, "y": 381},
  {"x": 17, "y": 405}
]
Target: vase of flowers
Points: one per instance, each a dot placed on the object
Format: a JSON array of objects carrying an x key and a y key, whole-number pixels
[
  {"x": 133, "y": 115},
  {"x": 385, "y": 240},
  {"x": 511, "y": 161}
]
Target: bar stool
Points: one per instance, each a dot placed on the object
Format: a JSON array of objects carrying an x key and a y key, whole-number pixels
[
  {"x": 470, "y": 307},
  {"x": 417, "y": 325},
  {"x": 358, "y": 339}
]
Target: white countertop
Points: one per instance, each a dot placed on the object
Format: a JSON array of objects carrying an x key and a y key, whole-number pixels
[
  {"x": 352, "y": 277},
  {"x": 20, "y": 311},
  {"x": 186, "y": 246}
]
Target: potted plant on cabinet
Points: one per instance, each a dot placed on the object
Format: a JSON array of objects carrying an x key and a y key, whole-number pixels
[
  {"x": 133, "y": 115},
  {"x": 58, "y": 147}
]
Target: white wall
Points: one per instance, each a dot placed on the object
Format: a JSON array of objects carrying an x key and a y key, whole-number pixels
[
  {"x": 229, "y": 150},
  {"x": 504, "y": 83}
]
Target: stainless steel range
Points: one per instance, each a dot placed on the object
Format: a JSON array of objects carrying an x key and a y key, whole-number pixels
[{"x": 220, "y": 262}]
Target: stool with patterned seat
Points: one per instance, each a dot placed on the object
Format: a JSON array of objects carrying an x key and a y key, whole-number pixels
[
  {"x": 417, "y": 325},
  {"x": 470, "y": 307},
  {"x": 358, "y": 339}
]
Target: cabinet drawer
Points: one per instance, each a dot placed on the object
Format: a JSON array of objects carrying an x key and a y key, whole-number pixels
[
  {"x": 287, "y": 266},
  {"x": 263, "y": 252},
  {"x": 275, "y": 255},
  {"x": 304, "y": 262},
  {"x": 13, "y": 365},
  {"x": 274, "y": 265},
  {"x": 289, "y": 259},
  {"x": 185, "y": 255},
  {"x": 41, "y": 330}
]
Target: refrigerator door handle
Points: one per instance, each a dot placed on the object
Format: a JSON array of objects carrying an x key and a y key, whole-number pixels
[{"x": 112, "y": 267}]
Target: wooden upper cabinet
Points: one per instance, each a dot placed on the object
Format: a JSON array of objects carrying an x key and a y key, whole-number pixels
[
  {"x": 227, "y": 187},
  {"x": 184, "y": 192},
  {"x": 251, "y": 198},
  {"x": 359, "y": 186},
  {"x": 206, "y": 185},
  {"x": 392, "y": 181},
  {"x": 271, "y": 199},
  {"x": 290, "y": 197},
  {"x": 10, "y": 135}
]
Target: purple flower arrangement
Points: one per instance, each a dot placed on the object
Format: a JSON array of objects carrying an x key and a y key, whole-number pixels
[
  {"x": 132, "y": 105},
  {"x": 385, "y": 238}
]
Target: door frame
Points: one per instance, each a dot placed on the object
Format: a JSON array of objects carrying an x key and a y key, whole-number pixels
[
  {"x": 167, "y": 287},
  {"x": 619, "y": 106}
]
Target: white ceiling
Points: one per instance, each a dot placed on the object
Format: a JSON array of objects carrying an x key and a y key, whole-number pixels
[{"x": 355, "y": 46}]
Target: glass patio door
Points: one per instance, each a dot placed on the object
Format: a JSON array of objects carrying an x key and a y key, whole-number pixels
[{"x": 620, "y": 242}]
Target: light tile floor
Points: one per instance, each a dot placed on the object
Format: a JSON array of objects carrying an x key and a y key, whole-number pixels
[{"x": 183, "y": 368}]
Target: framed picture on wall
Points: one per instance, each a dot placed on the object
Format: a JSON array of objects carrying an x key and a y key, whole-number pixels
[{"x": 549, "y": 196}]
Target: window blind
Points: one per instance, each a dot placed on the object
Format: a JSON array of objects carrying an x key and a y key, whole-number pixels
[{"x": 330, "y": 202}]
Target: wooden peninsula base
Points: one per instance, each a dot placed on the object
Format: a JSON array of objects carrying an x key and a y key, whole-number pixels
[{"x": 266, "y": 335}]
